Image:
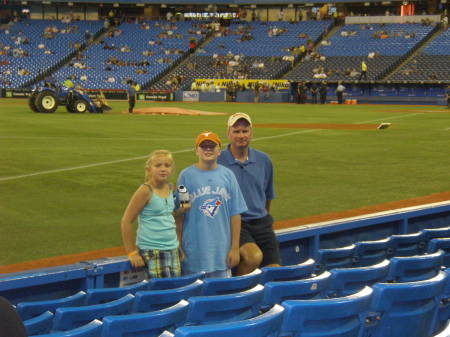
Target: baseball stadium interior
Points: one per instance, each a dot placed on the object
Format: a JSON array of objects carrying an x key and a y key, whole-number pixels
[
  {"x": 235, "y": 47},
  {"x": 383, "y": 275}
]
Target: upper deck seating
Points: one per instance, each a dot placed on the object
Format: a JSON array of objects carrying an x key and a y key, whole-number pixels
[
  {"x": 125, "y": 52},
  {"x": 431, "y": 64},
  {"x": 352, "y": 43},
  {"x": 262, "y": 42},
  {"x": 261, "y": 49},
  {"x": 31, "y": 34}
]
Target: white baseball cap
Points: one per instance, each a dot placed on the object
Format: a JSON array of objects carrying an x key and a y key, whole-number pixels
[{"x": 237, "y": 116}]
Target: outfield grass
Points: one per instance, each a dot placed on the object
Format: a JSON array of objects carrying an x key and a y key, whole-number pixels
[{"x": 317, "y": 171}]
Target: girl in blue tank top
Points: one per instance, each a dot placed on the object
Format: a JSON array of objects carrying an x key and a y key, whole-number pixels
[{"x": 156, "y": 243}]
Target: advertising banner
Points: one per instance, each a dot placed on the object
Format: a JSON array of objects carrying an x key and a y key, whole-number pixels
[{"x": 191, "y": 96}]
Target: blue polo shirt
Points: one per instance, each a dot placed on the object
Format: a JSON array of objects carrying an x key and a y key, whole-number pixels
[
  {"x": 255, "y": 178},
  {"x": 131, "y": 91}
]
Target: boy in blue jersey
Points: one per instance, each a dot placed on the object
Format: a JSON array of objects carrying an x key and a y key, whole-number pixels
[
  {"x": 211, "y": 228},
  {"x": 254, "y": 172}
]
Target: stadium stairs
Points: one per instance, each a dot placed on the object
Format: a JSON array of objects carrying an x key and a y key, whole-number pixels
[
  {"x": 326, "y": 36},
  {"x": 159, "y": 81},
  {"x": 412, "y": 53},
  {"x": 65, "y": 61}
]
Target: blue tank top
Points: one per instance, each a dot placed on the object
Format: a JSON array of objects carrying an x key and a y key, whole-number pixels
[{"x": 157, "y": 229}]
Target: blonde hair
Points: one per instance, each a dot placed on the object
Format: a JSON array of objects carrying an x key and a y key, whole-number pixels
[{"x": 153, "y": 155}]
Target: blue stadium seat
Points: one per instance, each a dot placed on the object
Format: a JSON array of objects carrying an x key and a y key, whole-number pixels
[
  {"x": 103, "y": 295},
  {"x": 151, "y": 300},
  {"x": 149, "y": 324},
  {"x": 409, "y": 244},
  {"x": 368, "y": 253},
  {"x": 225, "y": 308},
  {"x": 29, "y": 310},
  {"x": 311, "y": 288},
  {"x": 174, "y": 282},
  {"x": 432, "y": 233},
  {"x": 92, "y": 329},
  {"x": 336, "y": 317},
  {"x": 441, "y": 244},
  {"x": 40, "y": 324},
  {"x": 228, "y": 285},
  {"x": 444, "y": 308},
  {"x": 335, "y": 258},
  {"x": 288, "y": 273},
  {"x": 347, "y": 281},
  {"x": 72, "y": 317},
  {"x": 405, "y": 309},
  {"x": 445, "y": 332},
  {"x": 415, "y": 268},
  {"x": 264, "y": 325}
]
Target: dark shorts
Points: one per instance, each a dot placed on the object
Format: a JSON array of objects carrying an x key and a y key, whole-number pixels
[{"x": 260, "y": 231}]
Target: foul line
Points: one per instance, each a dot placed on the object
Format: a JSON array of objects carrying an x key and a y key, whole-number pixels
[{"x": 179, "y": 151}]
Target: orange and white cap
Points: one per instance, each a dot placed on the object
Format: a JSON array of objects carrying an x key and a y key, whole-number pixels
[{"x": 207, "y": 135}]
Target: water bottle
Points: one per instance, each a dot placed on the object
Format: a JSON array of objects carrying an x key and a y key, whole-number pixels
[{"x": 183, "y": 194}]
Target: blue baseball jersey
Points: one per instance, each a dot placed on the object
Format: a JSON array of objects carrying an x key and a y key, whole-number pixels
[
  {"x": 215, "y": 197},
  {"x": 255, "y": 178}
]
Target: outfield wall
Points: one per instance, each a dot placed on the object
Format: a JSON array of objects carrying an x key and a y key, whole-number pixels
[
  {"x": 297, "y": 244},
  {"x": 425, "y": 94}
]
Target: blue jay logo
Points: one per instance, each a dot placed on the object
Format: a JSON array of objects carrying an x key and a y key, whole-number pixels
[{"x": 210, "y": 207}]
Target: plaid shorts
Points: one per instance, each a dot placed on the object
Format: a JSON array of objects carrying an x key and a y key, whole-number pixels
[{"x": 161, "y": 263}]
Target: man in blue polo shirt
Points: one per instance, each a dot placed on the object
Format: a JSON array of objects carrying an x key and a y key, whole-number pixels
[{"x": 254, "y": 172}]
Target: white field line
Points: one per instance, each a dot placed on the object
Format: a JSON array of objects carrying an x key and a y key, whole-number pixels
[
  {"x": 175, "y": 152},
  {"x": 84, "y": 166},
  {"x": 389, "y": 118}
]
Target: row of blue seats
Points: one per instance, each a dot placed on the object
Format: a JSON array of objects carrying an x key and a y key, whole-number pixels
[
  {"x": 414, "y": 309},
  {"x": 366, "y": 253},
  {"x": 364, "y": 42},
  {"x": 291, "y": 282},
  {"x": 261, "y": 44},
  {"x": 440, "y": 45}
]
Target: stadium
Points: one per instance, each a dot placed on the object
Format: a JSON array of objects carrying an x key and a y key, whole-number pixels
[{"x": 362, "y": 207}]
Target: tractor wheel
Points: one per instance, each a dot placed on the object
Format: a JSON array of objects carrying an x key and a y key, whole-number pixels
[
  {"x": 80, "y": 105},
  {"x": 32, "y": 103},
  {"x": 46, "y": 101}
]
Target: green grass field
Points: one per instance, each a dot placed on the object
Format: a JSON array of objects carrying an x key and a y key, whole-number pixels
[{"x": 65, "y": 179}]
